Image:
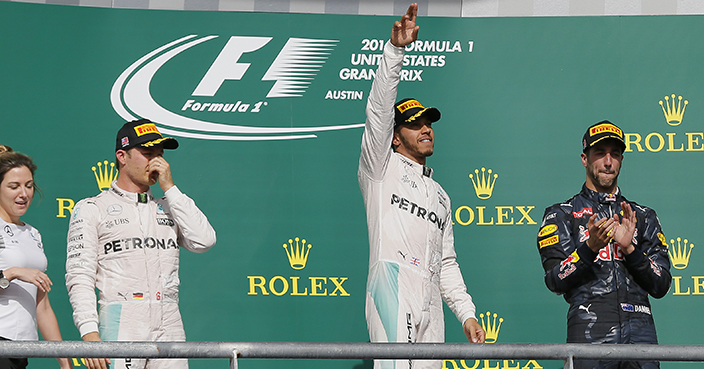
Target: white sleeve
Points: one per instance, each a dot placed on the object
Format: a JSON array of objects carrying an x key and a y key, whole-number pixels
[
  {"x": 452, "y": 286},
  {"x": 379, "y": 126},
  {"x": 82, "y": 265},
  {"x": 194, "y": 231}
]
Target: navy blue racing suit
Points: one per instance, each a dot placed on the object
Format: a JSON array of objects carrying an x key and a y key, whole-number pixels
[{"x": 607, "y": 291}]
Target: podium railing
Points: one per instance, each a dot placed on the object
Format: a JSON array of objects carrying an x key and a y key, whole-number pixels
[{"x": 325, "y": 350}]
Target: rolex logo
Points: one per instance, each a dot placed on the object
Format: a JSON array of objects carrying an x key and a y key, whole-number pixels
[
  {"x": 673, "y": 110},
  {"x": 490, "y": 326},
  {"x": 296, "y": 285},
  {"x": 483, "y": 185},
  {"x": 103, "y": 175},
  {"x": 679, "y": 254},
  {"x": 298, "y": 253}
]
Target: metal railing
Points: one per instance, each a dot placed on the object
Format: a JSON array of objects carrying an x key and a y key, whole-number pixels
[{"x": 324, "y": 350}]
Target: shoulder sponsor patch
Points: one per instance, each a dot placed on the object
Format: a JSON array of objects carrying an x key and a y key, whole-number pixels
[
  {"x": 549, "y": 241},
  {"x": 662, "y": 239},
  {"x": 548, "y": 229}
]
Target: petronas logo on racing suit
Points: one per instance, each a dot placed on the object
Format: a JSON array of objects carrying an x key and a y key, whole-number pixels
[{"x": 415, "y": 209}]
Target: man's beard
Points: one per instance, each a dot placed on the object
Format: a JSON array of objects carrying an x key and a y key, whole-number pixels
[
  {"x": 416, "y": 146},
  {"x": 604, "y": 182}
]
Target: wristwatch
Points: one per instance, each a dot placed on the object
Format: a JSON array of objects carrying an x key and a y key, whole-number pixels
[{"x": 4, "y": 282}]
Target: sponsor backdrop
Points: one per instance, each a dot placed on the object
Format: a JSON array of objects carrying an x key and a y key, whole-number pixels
[{"x": 268, "y": 110}]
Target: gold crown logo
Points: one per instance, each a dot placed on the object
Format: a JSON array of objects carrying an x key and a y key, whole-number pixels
[
  {"x": 484, "y": 185},
  {"x": 298, "y": 254},
  {"x": 103, "y": 175},
  {"x": 679, "y": 255},
  {"x": 490, "y": 326},
  {"x": 673, "y": 110}
]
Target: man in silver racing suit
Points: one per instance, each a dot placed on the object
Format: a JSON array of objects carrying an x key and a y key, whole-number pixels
[
  {"x": 126, "y": 243},
  {"x": 412, "y": 260},
  {"x": 605, "y": 254}
]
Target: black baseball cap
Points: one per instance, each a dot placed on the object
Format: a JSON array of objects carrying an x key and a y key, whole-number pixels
[
  {"x": 408, "y": 110},
  {"x": 601, "y": 131},
  {"x": 143, "y": 133}
]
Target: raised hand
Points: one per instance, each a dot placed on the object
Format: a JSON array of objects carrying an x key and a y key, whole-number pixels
[
  {"x": 405, "y": 30},
  {"x": 623, "y": 234}
]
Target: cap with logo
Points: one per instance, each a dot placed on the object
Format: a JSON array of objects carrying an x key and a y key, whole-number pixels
[
  {"x": 601, "y": 131},
  {"x": 408, "y": 110},
  {"x": 143, "y": 133}
]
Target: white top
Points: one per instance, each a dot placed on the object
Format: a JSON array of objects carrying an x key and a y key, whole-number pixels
[
  {"x": 408, "y": 213},
  {"x": 127, "y": 246},
  {"x": 20, "y": 246}
]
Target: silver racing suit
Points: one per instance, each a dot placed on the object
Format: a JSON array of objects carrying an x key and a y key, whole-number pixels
[
  {"x": 127, "y": 245},
  {"x": 412, "y": 260}
]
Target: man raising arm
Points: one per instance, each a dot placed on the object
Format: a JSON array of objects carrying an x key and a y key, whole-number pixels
[{"x": 412, "y": 261}]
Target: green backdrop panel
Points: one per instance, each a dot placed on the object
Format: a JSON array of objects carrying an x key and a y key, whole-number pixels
[{"x": 269, "y": 152}]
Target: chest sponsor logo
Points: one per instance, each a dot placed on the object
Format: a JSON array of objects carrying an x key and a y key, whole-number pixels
[
  {"x": 582, "y": 213},
  {"x": 406, "y": 179},
  {"x": 610, "y": 252},
  {"x": 417, "y": 210},
  {"x": 115, "y": 222},
  {"x": 8, "y": 230},
  {"x": 125, "y": 244},
  {"x": 165, "y": 222},
  {"x": 114, "y": 210},
  {"x": 297, "y": 252},
  {"x": 160, "y": 209}
]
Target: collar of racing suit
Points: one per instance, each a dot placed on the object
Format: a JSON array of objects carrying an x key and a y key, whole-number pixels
[
  {"x": 131, "y": 197},
  {"x": 421, "y": 169},
  {"x": 602, "y": 197}
]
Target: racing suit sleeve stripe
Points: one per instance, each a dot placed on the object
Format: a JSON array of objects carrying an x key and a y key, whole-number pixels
[
  {"x": 452, "y": 286},
  {"x": 378, "y": 128},
  {"x": 195, "y": 232},
  {"x": 82, "y": 265}
]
